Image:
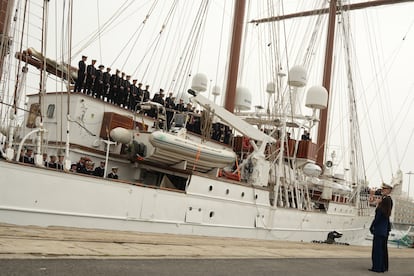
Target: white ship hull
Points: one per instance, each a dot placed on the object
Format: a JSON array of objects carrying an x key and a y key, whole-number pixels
[{"x": 210, "y": 207}]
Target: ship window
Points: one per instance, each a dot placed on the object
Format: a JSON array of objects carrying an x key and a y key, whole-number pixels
[
  {"x": 227, "y": 191},
  {"x": 210, "y": 188},
  {"x": 211, "y": 214},
  {"x": 50, "y": 111},
  {"x": 256, "y": 196},
  {"x": 242, "y": 194}
]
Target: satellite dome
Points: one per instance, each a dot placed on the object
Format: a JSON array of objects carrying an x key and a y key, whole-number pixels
[
  {"x": 311, "y": 169},
  {"x": 243, "y": 99},
  {"x": 317, "y": 97},
  {"x": 199, "y": 83},
  {"x": 216, "y": 90},
  {"x": 271, "y": 87},
  {"x": 297, "y": 76}
]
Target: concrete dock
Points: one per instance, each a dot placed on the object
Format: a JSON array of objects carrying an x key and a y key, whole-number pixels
[{"x": 30, "y": 247}]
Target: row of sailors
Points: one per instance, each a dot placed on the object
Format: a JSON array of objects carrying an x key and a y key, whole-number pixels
[
  {"x": 54, "y": 162},
  {"x": 83, "y": 166},
  {"x": 117, "y": 88}
]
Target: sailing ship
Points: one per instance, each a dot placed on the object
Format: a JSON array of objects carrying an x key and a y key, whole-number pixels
[{"x": 261, "y": 183}]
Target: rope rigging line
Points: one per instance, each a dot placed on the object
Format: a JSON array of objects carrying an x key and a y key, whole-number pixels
[
  {"x": 186, "y": 58},
  {"x": 154, "y": 45},
  {"x": 357, "y": 158},
  {"x": 105, "y": 27},
  {"x": 137, "y": 33},
  {"x": 381, "y": 104},
  {"x": 167, "y": 53},
  {"x": 406, "y": 148},
  {"x": 99, "y": 30},
  {"x": 388, "y": 67},
  {"x": 220, "y": 43},
  {"x": 15, "y": 98}
]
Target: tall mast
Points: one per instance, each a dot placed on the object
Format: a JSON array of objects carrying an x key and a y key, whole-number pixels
[
  {"x": 6, "y": 10},
  {"x": 326, "y": 82},
  {"x": 233, "y": 70}
]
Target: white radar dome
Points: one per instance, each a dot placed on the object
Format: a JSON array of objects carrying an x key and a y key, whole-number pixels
[
  {"x": 216, "y": 90},
  {"x": 243, "y": 99},
  {"x": 200, "y": 82},
  {"x": 270, "y": 87},
  {"x": 311, "y": 169},
  {"x": 317, "y": 97},
  {"x": 297, "y": 76}
]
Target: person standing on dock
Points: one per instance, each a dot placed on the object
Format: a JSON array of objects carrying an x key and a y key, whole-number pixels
[{"x": 380, "y": 228}]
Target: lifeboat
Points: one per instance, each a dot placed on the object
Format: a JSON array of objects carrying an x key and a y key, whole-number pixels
[{"x": 170, "y": 149}]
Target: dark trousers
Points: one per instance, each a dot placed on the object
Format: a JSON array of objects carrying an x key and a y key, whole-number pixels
[
  {"x": 379, "y": 254},
  {"x": 79, "y": 83}
]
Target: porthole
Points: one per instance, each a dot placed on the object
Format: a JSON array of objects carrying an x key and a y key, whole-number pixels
[
  {"x": 256, "y": 196},
  {"x": 210, "y": 188},
  {"x": 211, "y": 214},
  {"x": 242, "y": 194},
  {"x": 190, "y": 208},
  {"x": 227, "y": 191}
]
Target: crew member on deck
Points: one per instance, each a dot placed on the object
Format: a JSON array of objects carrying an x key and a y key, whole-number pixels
[
  {"x": 81, "y": 75},
  {"x": 106, "y": 84},
  {"x": 146, "y": 94},
  {"x": 90, "y": 77},
  {"x": 60, "y": 162},
  {"x": 28, "y": 156},
  {"x": 140, "y": 92},
  {"x": 133, "y": 95},
  {"x": 99, "y": 171},
  {"x": 114, "y": 84},
  {"x": 98, "y": 84},
  {"x": 52, "y": 162},
  {"x": 114, "y": 173},
  {"x": 305, "y": 135}
]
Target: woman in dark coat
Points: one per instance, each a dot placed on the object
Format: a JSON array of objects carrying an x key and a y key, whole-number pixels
[{"x": 381, "y": 228}]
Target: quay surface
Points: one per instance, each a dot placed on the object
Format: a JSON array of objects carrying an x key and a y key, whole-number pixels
[{"x": 31, "y": 250}]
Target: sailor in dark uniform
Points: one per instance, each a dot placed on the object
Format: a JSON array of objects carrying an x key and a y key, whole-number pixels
[
  {"x": 180, "y": 106},
  {"x": 106, "y": 83},
  {"x": 113, "y": 174},
  {"x": 98, "y": 84},
  {"x": 52, "y": 163},
  {"x": 28, "y": 157},
  {"x": 140, "y": 92},
  {"x": 127, "y": 90},
  {"x": 81, "y": 74},
  {"x": 133, "y": 95},
  {"x": 169, "y": 105},
  {"x": 90, "y": 77},
  {"x": 121, "y": 90},
  {"x": 380, "y": 228},
  {"x": 99, "y": 171},
  {"x": 146, "y": 94},
  {"x": 114, "y": 83}
]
